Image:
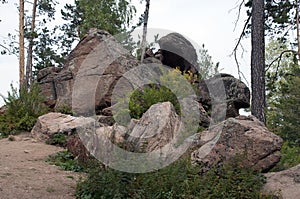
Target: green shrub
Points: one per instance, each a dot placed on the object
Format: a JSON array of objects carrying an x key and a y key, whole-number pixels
[
  {"x": 290, "y": 156},
  {"x": 65, "y": 109},
  {"x": 173, "y": 86},
  {"x": 58, "y": 139},
  {"x": 178, "y": 180},
  {"x": 65, "y": 160},
  {"x": 141, "y": 100},
  {"x": 23, "y": 109}
]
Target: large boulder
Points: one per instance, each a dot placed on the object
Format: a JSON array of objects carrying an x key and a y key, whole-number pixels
[
  {"x": 236, "y": 94},
  {"x": 75, "y": 128},
  {"x": 285, "y": 184},
  {"x": 243, "y": 137},
  {"x": 176, "y": 51},
  {"x": 53, "y": 123},
  {"x": 89, "y": 74},
  {"x": 157, "y": 127}
]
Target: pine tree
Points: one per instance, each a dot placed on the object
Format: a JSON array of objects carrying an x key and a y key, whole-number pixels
[
  {"x": 21, "y": 43},
  {"x": 283, "y": 90},
  {"x": 258, "y": 61}
]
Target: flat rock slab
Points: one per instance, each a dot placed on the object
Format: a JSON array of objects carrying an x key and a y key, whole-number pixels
[
  {"x": 284, "y": 183},
  {"x": 24, "y": 174}
]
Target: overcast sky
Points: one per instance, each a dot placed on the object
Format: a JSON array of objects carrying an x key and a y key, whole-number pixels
[{"x": 209, "y": 22}]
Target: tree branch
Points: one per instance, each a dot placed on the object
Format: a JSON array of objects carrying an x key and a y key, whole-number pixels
[
  {"x": 239, "y": 13},
  {"x": 9, "y": 50},
  {"x": 5, "y": 48},
  {"x": 278, "y": 59},
  {"x": 234, "y": 53}
]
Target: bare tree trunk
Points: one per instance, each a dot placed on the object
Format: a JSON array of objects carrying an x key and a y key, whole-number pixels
[
  {"x": 297, "y": 22},
  {"x": 29, "y": 79},
  {"x": 144, "y": 41},
  {"x": 21, "y": 45},
  {"x": 258, "y": 102}
]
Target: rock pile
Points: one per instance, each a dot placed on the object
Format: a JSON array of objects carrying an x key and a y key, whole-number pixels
[{"x": 96, "y": 65}]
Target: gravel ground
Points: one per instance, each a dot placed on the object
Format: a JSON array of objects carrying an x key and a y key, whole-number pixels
[{"x": 24, "y": 174}]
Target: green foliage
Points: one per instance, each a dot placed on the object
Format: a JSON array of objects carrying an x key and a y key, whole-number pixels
[
  {"x": 110, "y": 15},
  {"x": 279, "y": 17},
  {"x": 65, "y": 161},
  {"x": 172, "y": 87},
  {"x": 65, "y": 109},
  {"x": 46, "y": 49},
  {"x": 46, "y": 42},
  {"x": 283, "y": 94},
  {"x": 283, "y": 99},
  {"x": 290, "y": 156},
  {"x": 150, "y": 45},
  {"x": 23, "y": 109},
  {"x": 207, "y": 68},
  {"x": 52, "y": 45},
  {"x": 58, "y": 139},
  {"x": 178, "y": 180},
  {"x": 141, "y": 100}
]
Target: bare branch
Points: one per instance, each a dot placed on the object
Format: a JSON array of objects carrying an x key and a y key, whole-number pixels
[
  {"x": 239, "y": 13},
  {"x": 28, "y": 2},
  {"x": 242, "y": 34},
  {"x": 5, "y": 47},
  {"x": 234, "y": 53},
  {"x": 278, "y": 59},
  {"x": 9, "y": 50}
]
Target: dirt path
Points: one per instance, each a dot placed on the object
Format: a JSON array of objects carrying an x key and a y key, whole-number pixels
[{"x": 24, "y": 174}]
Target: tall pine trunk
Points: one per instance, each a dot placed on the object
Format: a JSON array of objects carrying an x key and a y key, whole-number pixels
[
  {"x": 298, "y": 26},
  {"x": 144, "y": 41},
  {"x": 29, "y": 77},
  {"x": 258, "y": 101},
  {"x": 21, "y": 44}
]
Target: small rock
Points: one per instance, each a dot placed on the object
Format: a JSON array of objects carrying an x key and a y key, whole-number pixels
[
  {"x": 26, "y": 151},
  {"x": 11, "y": 138}
]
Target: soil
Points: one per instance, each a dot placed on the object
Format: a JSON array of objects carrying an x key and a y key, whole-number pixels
[{"x": 24, "y": 174}]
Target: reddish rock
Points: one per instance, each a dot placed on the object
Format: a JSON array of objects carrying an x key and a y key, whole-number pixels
[
  {"x": 95, "y": 65},
  {"x": 242, "y": 136}
]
